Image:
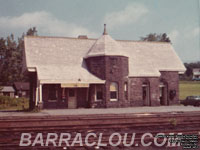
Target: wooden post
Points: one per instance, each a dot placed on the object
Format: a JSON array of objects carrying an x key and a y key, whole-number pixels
[
  {"x": 63, "y": 93},
  {"x": 40, "y": 100},
  {"x": 37, "y": 96}
]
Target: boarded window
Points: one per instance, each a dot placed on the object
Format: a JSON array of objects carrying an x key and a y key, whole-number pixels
[{"x": 113, "y": 91}]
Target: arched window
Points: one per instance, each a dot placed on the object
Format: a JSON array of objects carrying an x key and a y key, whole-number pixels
[{"x": 113, "y": 91}]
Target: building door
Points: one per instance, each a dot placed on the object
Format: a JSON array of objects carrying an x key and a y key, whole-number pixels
[
  {"x": 163, "y": 94},
  {"x": 146, "y": 94},
  {"x": 72, "y": 100}
]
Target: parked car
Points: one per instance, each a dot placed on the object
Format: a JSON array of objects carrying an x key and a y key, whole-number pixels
[
  {"x": 191, "y": 100},
  {"x": 195, "y": 79}
]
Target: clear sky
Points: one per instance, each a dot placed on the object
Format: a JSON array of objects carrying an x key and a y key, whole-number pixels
[{"x": 125, "y": 19}]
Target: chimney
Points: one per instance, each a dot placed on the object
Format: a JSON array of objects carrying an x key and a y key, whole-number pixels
[{"x": 104, "y": 32}]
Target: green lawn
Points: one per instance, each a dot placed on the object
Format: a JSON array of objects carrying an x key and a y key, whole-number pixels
[{"x": 189, "y": 88}]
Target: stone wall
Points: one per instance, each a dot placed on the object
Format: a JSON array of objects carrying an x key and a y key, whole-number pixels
[
  {"x": 136, "y": 93},
  {"x": 111, "y": 69},
  {"x": 169, "y": 78},
  {"x": 172, "y": 79}
]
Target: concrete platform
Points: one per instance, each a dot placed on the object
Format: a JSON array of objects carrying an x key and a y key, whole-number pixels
[{"x": 82, "y": 111}]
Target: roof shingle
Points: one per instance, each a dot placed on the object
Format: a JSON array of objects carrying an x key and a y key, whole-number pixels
[{"x": 63, "y": 58}]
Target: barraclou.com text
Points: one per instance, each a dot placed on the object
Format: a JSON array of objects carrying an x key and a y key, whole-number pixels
[{"x": 93, "y": 139}]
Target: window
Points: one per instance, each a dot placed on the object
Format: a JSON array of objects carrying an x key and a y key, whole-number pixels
[
  {"x": 113, "y": 91},
  {"x": 71, "y": 93},
  {"x": 99, "y": 93},
  {"x": 53, "y": 92},
  {"x": 144, "y": 91},
  {"x": 126, "y": 90}
]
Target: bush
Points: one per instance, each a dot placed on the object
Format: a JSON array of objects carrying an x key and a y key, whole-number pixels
[{"x": 7, "y": 102}]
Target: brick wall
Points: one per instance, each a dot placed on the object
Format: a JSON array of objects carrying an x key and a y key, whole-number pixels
[
  {"x": 115, "y": 69},
  {"x": 111, "y": 69},
  {"x": 136, "y": 92},
  {"x": 172, "y": 79}
]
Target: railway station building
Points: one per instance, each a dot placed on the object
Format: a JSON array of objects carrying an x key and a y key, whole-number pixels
[{"x": 101, "y": 73}]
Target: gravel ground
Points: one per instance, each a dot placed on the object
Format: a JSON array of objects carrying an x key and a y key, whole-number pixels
[{"x": 82, "y": 111}]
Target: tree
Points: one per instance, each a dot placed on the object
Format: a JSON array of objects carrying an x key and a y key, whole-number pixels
[
  {"x": 156, "y": 37},
  {"x": 2, "y": 52},
  {"x": 32, "y": 32},
  {"x": 11, "y": 58},
  {"x": 189, "y": 70}
]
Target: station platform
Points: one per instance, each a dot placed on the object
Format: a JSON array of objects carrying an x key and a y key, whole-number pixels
[{"x": 103, "y": 111}]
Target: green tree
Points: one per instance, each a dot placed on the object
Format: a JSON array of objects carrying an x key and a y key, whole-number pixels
[
  {"x": 32, "y": 32},
  {"x": 2, "y": 53},
  {"x": 156, "y": 37},
  {"x": 189, "y": 68},
  {"x": 11, "y": 58}
]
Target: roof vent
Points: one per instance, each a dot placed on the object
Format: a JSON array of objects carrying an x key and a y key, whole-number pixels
[{"x": 82, "y": 37}]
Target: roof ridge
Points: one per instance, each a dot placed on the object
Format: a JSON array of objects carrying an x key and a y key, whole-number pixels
[
  {"x": 118, "y": 40},
  {"x": 143, "y": 41},
  {"x": 60, "y": 37}
]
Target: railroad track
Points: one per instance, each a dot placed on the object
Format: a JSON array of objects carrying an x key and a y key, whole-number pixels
[{"x": 11, "y": 128}]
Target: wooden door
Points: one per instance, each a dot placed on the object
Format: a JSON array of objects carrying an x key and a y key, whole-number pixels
[
  {"x": 146, "y": 95},
  {"x": 72, "y": 100}
]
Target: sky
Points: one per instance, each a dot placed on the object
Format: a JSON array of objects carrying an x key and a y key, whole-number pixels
[{"x": 125, "y": 19}]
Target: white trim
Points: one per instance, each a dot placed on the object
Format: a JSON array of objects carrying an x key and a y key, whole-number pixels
[
  {"x": 113, "y": 100},
  {"x": 161, "y": 85},
  {"x": 37, "y": 96},
  {"x": 40, "y": 100},
  {"x": 74, "y": 85},
  {"x": 32, "y": 69},
  {"x": 52, "y": 81}
]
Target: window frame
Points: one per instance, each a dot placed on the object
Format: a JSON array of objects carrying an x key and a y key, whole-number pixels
[{"x": 117, "y": 92}]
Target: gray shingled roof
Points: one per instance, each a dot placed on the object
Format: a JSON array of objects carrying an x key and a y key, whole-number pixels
[
  {"x": 62, "y": 59},
  {"x": 7, "y": 89},
  {"x": 21, "y": 85},
  {"x": 105, "y": 45}
]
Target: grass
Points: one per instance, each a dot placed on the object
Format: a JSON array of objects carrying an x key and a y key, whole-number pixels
[
  {"x": 189, "y": 88},
  {"x": 8, "y": 103}
]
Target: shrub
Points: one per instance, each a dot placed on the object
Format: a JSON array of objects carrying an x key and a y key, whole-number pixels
[{"x": 7, "y": 102}]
